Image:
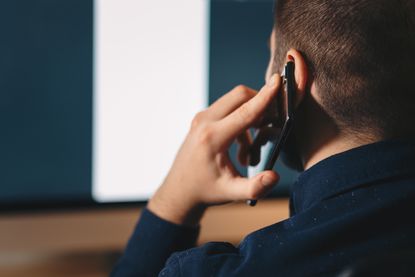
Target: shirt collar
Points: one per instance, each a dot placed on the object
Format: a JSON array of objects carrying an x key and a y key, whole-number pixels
[{"x": 348, "y": 170}]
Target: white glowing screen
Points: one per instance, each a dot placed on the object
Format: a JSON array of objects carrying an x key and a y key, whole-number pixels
[{"x": 150, "y": 78}]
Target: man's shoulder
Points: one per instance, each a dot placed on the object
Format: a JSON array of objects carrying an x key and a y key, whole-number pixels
[
  {"x": 324, "y": 239},
  {"x": 204, "y": 260},
  {"x": 226, "y": 259}
]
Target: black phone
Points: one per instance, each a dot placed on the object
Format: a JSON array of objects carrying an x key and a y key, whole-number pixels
[{"x": 285, "y": 109}]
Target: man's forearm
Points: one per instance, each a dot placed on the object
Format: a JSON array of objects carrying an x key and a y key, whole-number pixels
[{"x": 152, "y": 242}]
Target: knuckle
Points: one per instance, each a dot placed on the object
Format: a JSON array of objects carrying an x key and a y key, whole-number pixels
[
  {"x": 205, "y": 135},
  {"x": 240, "y": 88},
  {"x": 197, "y": 120},
  {"x": 244, "y": 91}
]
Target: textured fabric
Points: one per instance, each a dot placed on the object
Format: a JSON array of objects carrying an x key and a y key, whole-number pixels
[
  {"x": 344, "y": 209},
  {"x": 152, "y": 242}
]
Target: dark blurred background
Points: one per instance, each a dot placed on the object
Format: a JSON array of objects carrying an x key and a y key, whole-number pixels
[{"x": 46, "y": 77}]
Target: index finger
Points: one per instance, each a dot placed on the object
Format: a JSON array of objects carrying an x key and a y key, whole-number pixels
[
  {"x": 243, "y": 117},
  {"x": 230, "y": 102}
]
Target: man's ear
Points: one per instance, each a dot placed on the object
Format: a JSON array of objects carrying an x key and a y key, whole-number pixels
[{"x": 300, "y": 73}]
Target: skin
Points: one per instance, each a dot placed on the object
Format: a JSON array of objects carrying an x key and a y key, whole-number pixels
[{"x": 202, "y": 174}]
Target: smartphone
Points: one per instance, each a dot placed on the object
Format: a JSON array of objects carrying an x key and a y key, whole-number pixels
[{"x": 285, "y": 109}]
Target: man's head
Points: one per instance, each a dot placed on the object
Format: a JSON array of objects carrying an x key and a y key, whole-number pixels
[
  {"x": 360, "y": 60},
  {"x": 360, "y": 54}
]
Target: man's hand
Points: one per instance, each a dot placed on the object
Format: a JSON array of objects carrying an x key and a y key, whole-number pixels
[{"x": 202, "y": 173}]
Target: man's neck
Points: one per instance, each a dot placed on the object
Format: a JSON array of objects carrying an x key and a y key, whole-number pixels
[
  {"x": 324, "y": 136},
  {"x": 334, "y": 146}
]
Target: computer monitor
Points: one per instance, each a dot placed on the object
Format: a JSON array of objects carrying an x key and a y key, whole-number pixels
[{"x": 97, "y": 96}]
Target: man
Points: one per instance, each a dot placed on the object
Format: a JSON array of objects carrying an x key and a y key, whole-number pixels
[{"x": 353, "y": 137}]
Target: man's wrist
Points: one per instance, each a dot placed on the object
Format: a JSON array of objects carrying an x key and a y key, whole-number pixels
[{"x": 177, "y": 211}]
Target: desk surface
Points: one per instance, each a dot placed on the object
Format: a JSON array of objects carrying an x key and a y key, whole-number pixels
[{"x": 82, "y": 243}]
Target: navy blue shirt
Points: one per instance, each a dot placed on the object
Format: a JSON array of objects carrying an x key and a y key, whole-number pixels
[{"x": 345, "y": 208}]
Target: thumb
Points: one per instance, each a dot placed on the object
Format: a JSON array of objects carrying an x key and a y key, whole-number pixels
[{"x": 240, "y": 188}]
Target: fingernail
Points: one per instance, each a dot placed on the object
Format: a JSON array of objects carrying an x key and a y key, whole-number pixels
[
  {"x": 267, "y": 180},
  {"x": 272, "y": 81}
]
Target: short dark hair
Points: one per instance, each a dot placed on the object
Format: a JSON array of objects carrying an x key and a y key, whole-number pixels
[{"x": 361, "y": 55}]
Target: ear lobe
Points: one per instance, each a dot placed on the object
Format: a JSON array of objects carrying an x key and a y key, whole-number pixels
[{"x": 300, "y": 72}]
